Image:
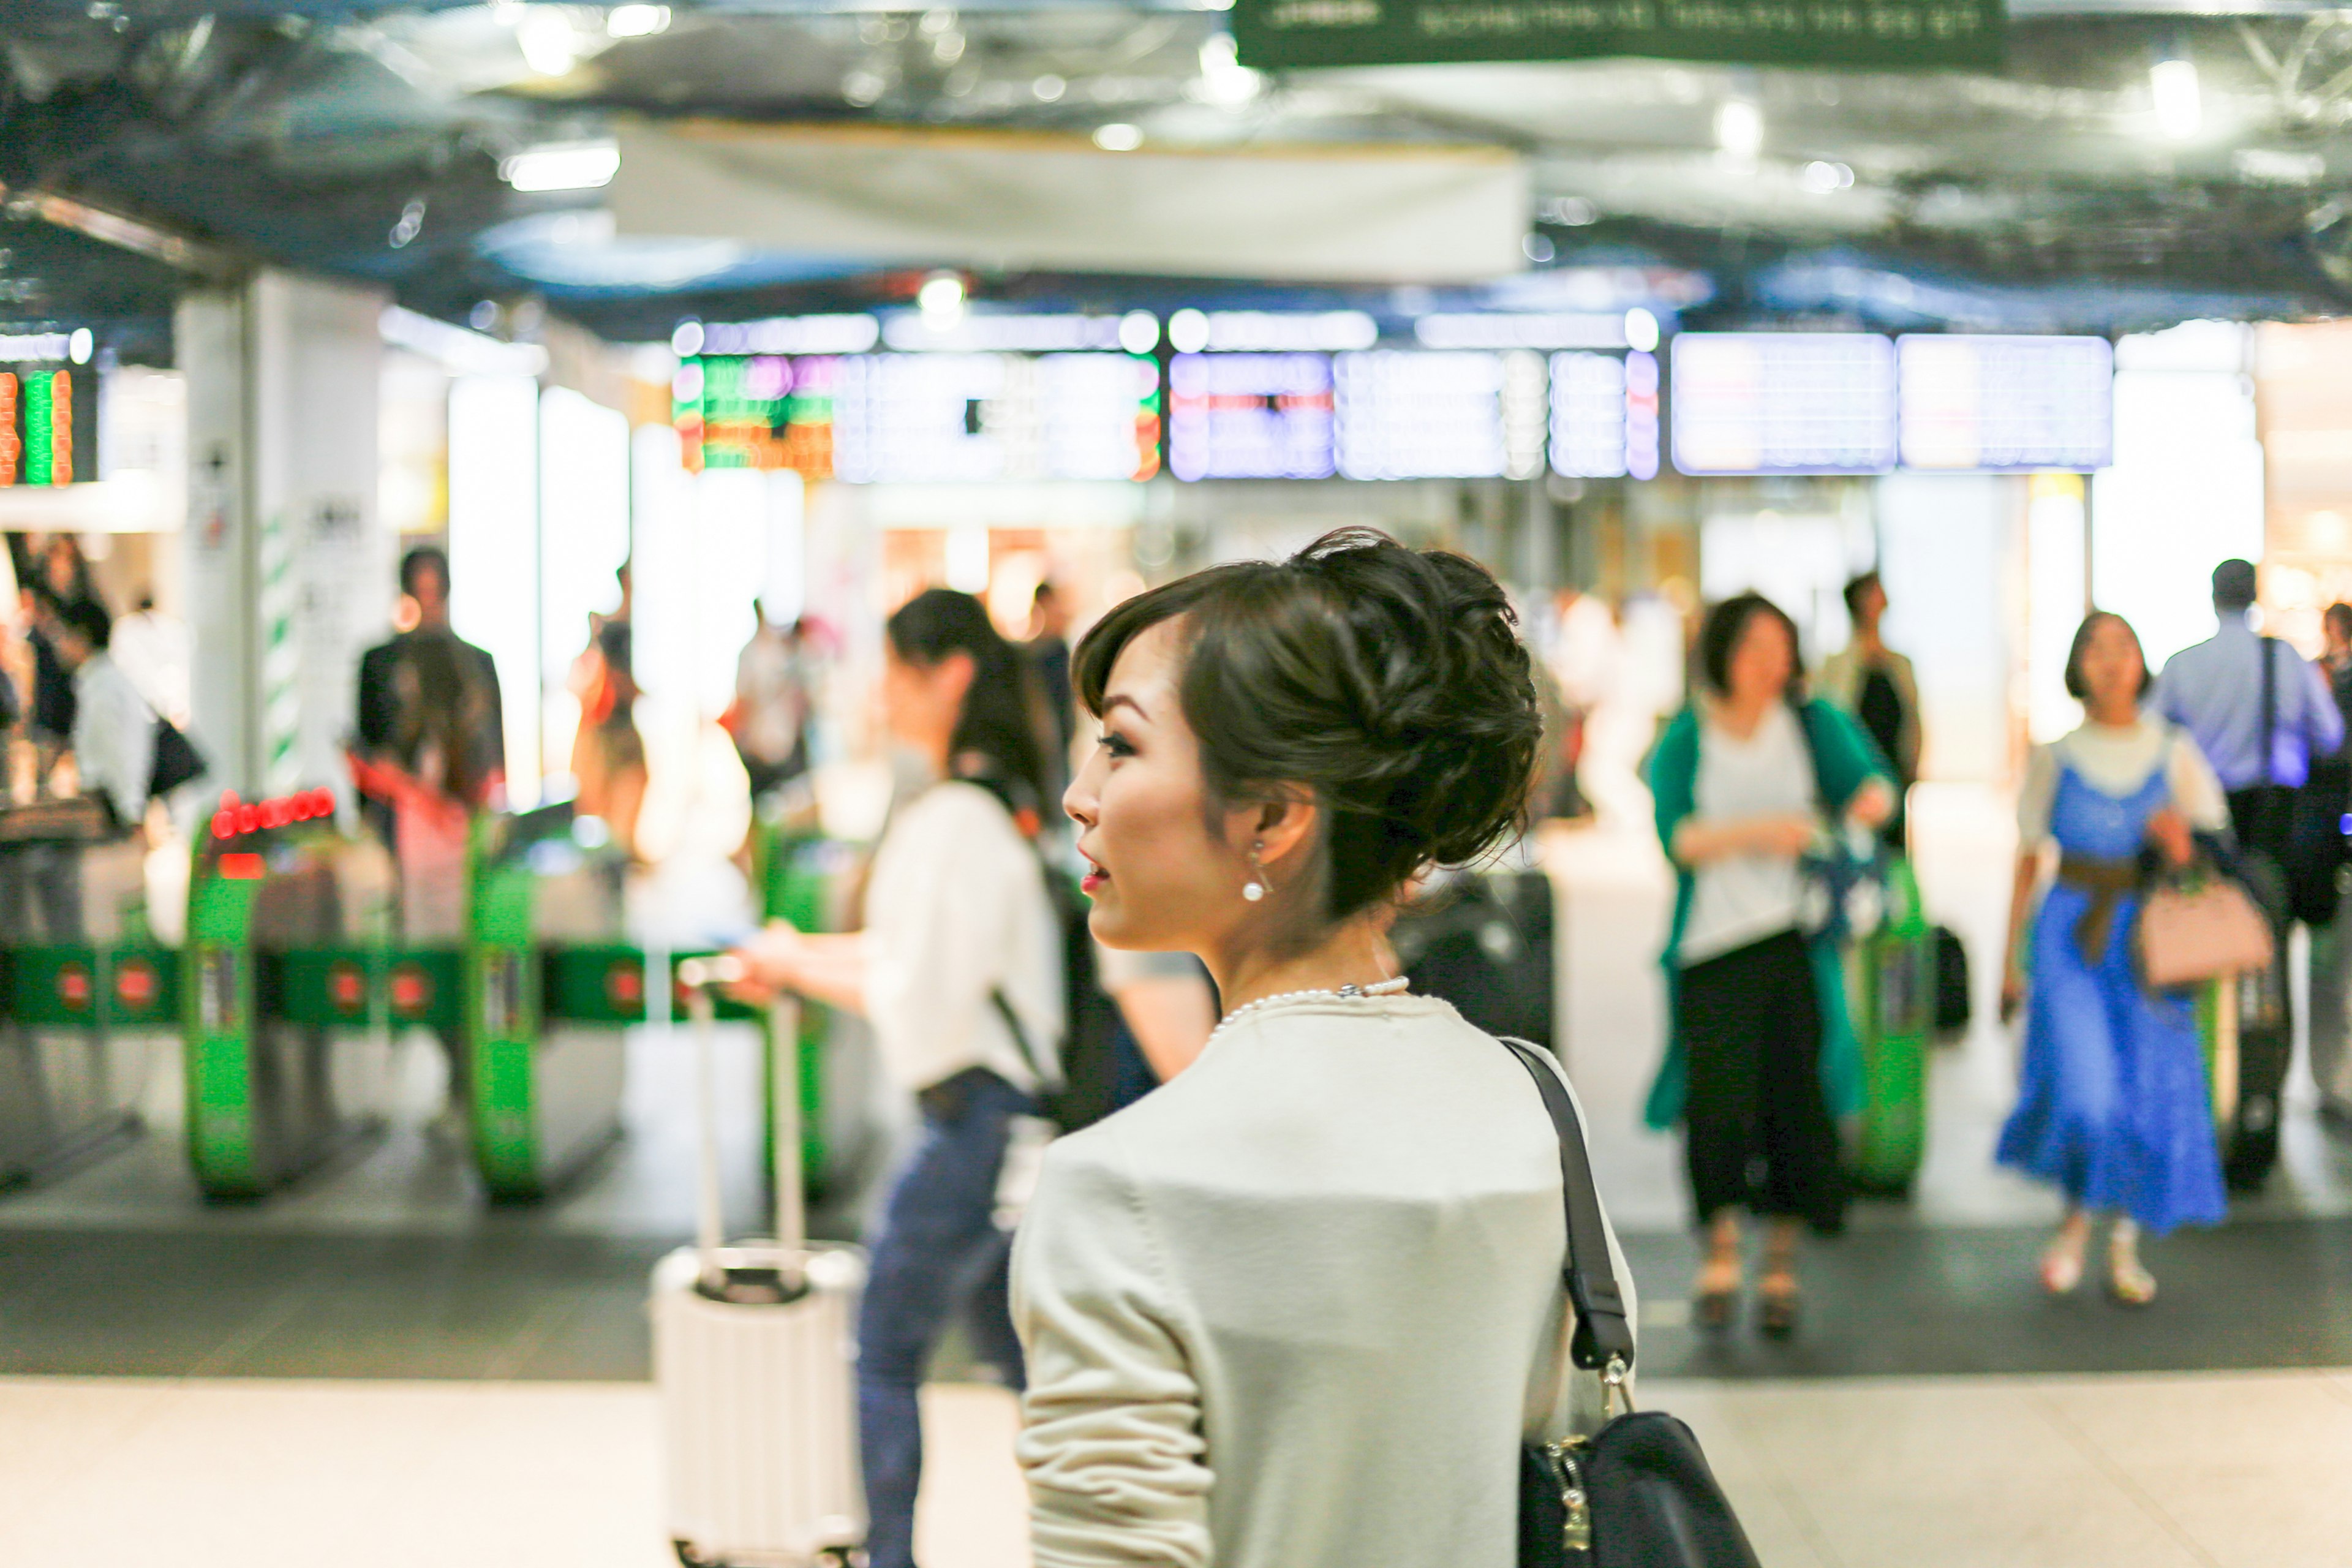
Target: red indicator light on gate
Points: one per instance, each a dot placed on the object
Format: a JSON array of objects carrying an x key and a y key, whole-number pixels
[
  {"x": 246, "y": 868},
  {"x": 346, "y": 987},
  {"x": 135, "y": 984},
  {"x": 411, "y": 990},
  {"x": 624, "y": 985},
  {"x": 73, "y": 986},
  {"x": 236, "y": 817}
]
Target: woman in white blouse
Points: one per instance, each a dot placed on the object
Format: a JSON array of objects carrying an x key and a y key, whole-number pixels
[
  {"x": 1297, "y": 1307},
  {"x": 960, "y": 939}
]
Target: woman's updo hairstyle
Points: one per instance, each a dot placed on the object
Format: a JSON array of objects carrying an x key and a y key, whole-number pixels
[{"x": 1391, "y": 682}]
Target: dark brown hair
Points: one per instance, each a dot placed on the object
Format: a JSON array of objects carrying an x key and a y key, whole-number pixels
[
  {"x": 2076, "y": 689},
  {"x": 998, "y": 727},
  {"x": 1390, "y": 682},
  {"x": 1720, "y": 633}
]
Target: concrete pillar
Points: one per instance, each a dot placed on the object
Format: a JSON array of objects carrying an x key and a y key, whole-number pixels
[{"x": 289, "y": 576}]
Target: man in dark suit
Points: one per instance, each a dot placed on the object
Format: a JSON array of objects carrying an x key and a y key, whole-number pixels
[{"x": 424, "y": 580}]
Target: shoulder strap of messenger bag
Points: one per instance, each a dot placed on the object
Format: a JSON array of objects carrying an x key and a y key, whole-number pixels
[
  {"x": 1603, "y": 1332},
  {"x": 2270, "y": 704}
]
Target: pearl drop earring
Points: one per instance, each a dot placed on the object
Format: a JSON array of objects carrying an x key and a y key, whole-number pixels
[{"x": 1254, "y": 888}]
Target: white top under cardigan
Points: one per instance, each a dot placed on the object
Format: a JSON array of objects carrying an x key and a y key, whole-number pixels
[
  {"x": 1744, "y": 897},
  {"x": 956, "y": 908},
  {"x": 1297, "y": 1307}
]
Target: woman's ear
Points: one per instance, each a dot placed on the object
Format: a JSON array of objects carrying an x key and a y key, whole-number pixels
[{"x": 1283, "y": 827}]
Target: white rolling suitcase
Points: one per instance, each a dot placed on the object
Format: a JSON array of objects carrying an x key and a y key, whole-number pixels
[{"x": 754, "y": 1355}]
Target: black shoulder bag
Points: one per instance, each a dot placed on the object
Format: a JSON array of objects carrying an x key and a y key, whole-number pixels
[{"x": 1638, "y": 1493}]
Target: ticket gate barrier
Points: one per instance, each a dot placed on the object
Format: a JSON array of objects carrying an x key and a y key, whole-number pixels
[
  {"x": 1894, "y": 1018},
  {"x": 801, "y": 876},
  {"x": 88, "y": 998},
  {"x": 290, "y": 994},
  {"x": 549, "y": 983}
]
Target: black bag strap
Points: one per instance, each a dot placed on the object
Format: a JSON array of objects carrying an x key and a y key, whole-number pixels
[
  {"x": 1602, "y": 1334},
  {"x": 2270, "y": 703},
  {"x": 996, "y": 999}
]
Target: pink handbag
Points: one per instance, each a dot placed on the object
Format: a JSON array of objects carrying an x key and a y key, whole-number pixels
[{"x": 2197, "y": 930}]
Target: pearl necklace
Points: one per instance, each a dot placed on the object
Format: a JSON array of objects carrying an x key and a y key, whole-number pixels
[{"x": 1344, "y": 994}]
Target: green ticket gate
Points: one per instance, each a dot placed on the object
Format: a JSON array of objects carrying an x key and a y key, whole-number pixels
[
  {"x": 290, "y": 995},
  {"x": 83, "y": 1012},
  {"x": 549, "y": 987},
  {"x": 1894, "y": 1015}
]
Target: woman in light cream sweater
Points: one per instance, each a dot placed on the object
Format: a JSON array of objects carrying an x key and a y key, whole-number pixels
[{"x": 1300, "y": 1308}]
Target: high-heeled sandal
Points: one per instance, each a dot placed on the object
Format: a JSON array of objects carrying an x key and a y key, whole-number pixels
[
  {"x": 2062, "y": 1269},
  {"x": 2129, "y": 1284}
]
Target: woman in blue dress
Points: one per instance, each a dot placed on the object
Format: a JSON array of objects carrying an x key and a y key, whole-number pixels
[{"x": 2112, "y": 1108}]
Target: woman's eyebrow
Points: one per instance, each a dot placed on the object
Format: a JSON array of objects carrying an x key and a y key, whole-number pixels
[{"x": 1117, "y": 698}]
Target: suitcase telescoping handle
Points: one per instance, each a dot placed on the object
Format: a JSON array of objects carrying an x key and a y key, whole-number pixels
[{"x": 702, "y": 977}]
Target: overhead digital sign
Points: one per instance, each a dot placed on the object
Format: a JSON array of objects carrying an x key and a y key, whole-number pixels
[
  {"x": 1784, "y": 403},
  {"x": 1250, "y": 417},
  {"x": 1604, "y": 416},
  {"x": 1406, "y": 415},
  {"x": 48, "y": 424},
  {"x": 883, "y": 418},
  {"x": 1991, "y": 403}
]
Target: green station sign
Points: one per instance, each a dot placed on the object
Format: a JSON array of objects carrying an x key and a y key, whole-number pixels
[{"x": 1876, "y": 34}]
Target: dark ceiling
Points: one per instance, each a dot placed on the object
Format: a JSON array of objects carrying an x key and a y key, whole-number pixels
[{"x": 366, "y": 141}]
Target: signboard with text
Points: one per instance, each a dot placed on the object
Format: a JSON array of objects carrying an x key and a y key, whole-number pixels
[{"x": 1877, "y": 35}]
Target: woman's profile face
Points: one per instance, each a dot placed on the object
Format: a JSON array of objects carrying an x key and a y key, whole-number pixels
[
  {"x": 1762, "y": 661},
  {"x": 2113, "y": 671},
  {"x": 1162, "y": 881}
]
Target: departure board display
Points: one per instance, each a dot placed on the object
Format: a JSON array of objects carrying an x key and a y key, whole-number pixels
[
  {"x": 1784, "y": 403},
  {"x": 1604, "y": 415},
  {"x": 1991, "y": 403},
  {"x": 48, "y": 424},
  {"x": 762, "y": 411},
  {"x": 1407, "y": 415},
  {"x": 1250, "y": 417},
  {"x": 885, "y": 418}
]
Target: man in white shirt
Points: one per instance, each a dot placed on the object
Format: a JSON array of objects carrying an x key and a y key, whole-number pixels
[{"x": 114, "y": 729}]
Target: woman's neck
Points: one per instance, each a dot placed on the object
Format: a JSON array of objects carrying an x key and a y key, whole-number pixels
[
  {"x": 2123, "y": 713},
  {"x": 1741, "y": 714},
  {"x": 1354, "y": 953}
]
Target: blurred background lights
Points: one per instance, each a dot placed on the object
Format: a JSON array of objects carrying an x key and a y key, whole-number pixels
[{"x": 569, "y": 167}]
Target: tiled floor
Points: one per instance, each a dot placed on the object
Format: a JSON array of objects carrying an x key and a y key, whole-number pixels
[
  {"x": 2241, "y": 1471},
  {"x": 165, "y": 1367}
]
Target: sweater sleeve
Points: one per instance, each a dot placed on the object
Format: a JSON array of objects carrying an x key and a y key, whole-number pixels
[
  {"x": 1111, "y": 1440},
  {"x": 1844, "y": 756},
  {"x": 1674, "y": 775}
]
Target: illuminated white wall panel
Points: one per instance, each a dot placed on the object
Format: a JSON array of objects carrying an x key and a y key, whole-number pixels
[
  {"x": 1944, "y": 542},
  {"x": 2053, "y": 601},
  {"x": 494, "y": 550},
  {"x": 2186, "y": 490},
  {"x": 583, "y": 538}
]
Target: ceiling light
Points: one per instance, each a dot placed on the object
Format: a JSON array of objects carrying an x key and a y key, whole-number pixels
[
  {"x": 863, "y": 87},
  {"x": 1224, "y": 78},
  {"x": 2179, "y": 104},
  {"x": 411, "y": 223},
  {"x": 1188, "y": 332},
  {"x": 1641, "y": 331},
  {"x": 1739, "y": 129},
  {"x": 1538, "y": 249},
  {"x": 78, "y": 344},
  {"x": 940, "y": 299},
  {"x": 636, "y": 21},
  {"x": 1049, "y": 88},
  {"x": 1117, "y": 137},
  {"x": 547, "y": 44},
  {"x": 1138, "y": 332},
  {"x": 567, "y": 166}
]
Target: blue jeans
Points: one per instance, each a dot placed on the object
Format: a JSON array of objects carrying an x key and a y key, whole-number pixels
[{"x": 939, "y": 1249}]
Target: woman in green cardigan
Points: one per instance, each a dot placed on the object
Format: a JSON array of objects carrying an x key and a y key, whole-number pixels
[{"x": 1760, "y": 1055}]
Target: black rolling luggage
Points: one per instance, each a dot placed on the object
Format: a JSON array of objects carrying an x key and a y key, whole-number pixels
[
  {"x": 1483, "y": 941},
  {"x": 2249, "y": 1138}
]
